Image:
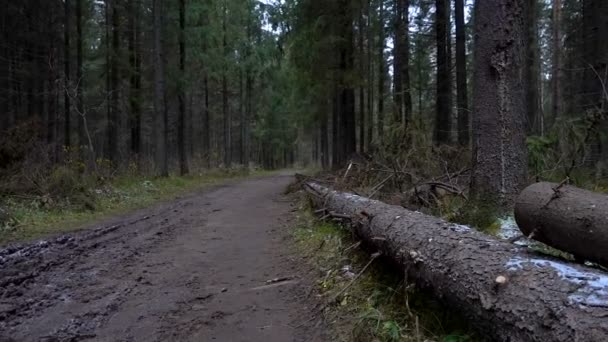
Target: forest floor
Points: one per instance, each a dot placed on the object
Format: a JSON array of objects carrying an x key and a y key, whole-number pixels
[{"x": 215, "y": 265}]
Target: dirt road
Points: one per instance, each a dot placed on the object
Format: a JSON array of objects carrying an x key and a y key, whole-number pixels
[{"x": 195, "y": 269}]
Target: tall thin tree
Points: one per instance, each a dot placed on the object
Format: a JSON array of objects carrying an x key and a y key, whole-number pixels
[
  {"x": 461, "y": 75},
  {"x": 67, "y": 55},
  {"x": 381, "y": 71},
  {"x": 556, "y": 67},
  {"x": 160, "y": 107},
  {"x": 181, "y": 119},
  {"x": 225, "y": 108},
  {"x": 443, "y": 117}
]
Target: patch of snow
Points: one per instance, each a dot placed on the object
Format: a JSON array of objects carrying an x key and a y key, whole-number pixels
[
  {"x": 508, "y": 228},
  {"x": 593, "y": 287},
  {"x": 459, "y": 228}
]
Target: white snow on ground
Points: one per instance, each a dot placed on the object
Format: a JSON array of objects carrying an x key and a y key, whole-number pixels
[{"x": 593, "y": 286}]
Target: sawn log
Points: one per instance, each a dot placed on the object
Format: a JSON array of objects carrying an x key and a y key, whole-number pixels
[
  {"x": 506, "y": 291},
  {"x": 567, "y": 218}
]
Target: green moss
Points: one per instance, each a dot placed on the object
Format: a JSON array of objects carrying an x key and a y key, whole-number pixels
[
  {"x": 379, "y": 306},
  {"x": 481, "y": 215}
]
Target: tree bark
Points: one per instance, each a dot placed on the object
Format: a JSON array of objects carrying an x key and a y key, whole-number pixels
[
  {"x": 532, "y": 68},
  {"x": 113, "y": 78},
  {"x": 347, "y": 91},
  {"x": 181, "y": 119},
  {"x": 80, "y": 82},
  {"x": 461, "y": 76},
  {"x": 160, "y": 107},
  {"x": 381, "y": 72},
  {"x": 361, "y": 46},
  {"x": 225, "y": 109},
  {"x": 206, "y": 122},
  {"x": 397, "y": 62},
  {"x": 67, "y": 117},
  {"x": 508, "y": 292},
  {"x": 370, "y": 77},
  {"x": 567, "y": 218},
  {"x": 135, "y": 78},
  {"x": 443, "y": 117},
  {"x": 406, "y": 96},
  {"x": 556, "y": 68},
  {"x": 499, "y": 107}
]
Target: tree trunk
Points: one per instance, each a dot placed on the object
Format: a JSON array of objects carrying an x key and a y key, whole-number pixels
[
  {"x": 461, "y": 76},
  {"x": 248, "y": 115},
  {"x": 381, "y": 72},
  {"x": 67, "y": 117},
  {"x": 113, "y": 86},
  {"x": 362, "y": 80},
  {"x": 80, "y": 82},
  {"x": 241, "y": 117},
  {"x": 532, "y": 68},
  {"x": 443, "y": 117},
  {"x": 406, "y": 95},
  {"x": 336, "y": 158},
  {"x": 347, "y": 91},
  {"x": 397, "y": 62},
  {"x": 370, "y": 77},
  {"x": 225, "y": 109},
  {"x": 324, "y": 141},
  {"x": 557, "y": 61},
  {"x": 499, "y": 107},
  {"x": 508, "y": 292},
  {"x": 135, "y": 79},
  {"x": 160, "y": 107},
  {"x": 206, "y": 123},
  {"x": 181, "y": 119},
  {"x": 567, "y": 218}
]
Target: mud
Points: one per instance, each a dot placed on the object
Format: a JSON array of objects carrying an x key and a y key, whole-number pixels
[{"x": 195, "y": 269}]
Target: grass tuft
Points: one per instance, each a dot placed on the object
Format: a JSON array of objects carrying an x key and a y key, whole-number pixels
[
  {"x": 379, "y": 306},
  {"x": 33, "y": 217}
]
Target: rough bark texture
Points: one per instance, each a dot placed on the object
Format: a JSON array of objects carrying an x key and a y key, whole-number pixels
[
  {"x": 160, "y": 104},
  {"x": 225, "y": 106},
  {"x": 381, "y": 72},
  {"x": 499, "y": 107},
  {"x": 537, "y": 299},
  {"x": 556, "y": 67},
  {"x": 461, "y": 76},
  {"x": 181, "y": 119},
  {"x": 532, "y": 69},
  {"x": 567, "y": 218},
  {"x": 67, "y": 83},
  {"x": 443, "y": 115}
]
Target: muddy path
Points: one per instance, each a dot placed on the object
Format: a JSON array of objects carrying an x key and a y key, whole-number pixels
[{"x": 195, "y": 269}]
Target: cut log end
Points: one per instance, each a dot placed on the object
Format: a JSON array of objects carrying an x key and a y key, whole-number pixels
[{"x": 567, "y": 218}]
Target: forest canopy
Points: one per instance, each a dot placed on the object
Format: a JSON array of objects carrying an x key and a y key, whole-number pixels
[{"x": 430, "y": 86}]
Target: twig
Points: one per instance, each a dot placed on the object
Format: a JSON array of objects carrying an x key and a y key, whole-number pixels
[
  {"x": 379, "y": 186},
  {"x": 342, "y": 216},
  {"x": 353, "y": 246},
  {"x": 373, "y": 257},
  {"x": 350, "y": 166},
  {"x": 556, "y": 191}
]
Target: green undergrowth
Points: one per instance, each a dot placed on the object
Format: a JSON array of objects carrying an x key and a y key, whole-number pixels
[
  {"x": 379, "y": 306},
  {"x": 33, "y": 217}
]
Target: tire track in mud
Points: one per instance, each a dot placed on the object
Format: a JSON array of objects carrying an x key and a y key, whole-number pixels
[{"x": 179, "y": 271}]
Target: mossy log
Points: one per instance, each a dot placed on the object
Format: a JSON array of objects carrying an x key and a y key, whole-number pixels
[
  {"x": 565, "y": 217},
  {"x": 508, "y": 292}
]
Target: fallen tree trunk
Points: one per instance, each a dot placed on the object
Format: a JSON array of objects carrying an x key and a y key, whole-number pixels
[
  {"x": 509, "y": 293},
  {"x": 567, "y": 218}
]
